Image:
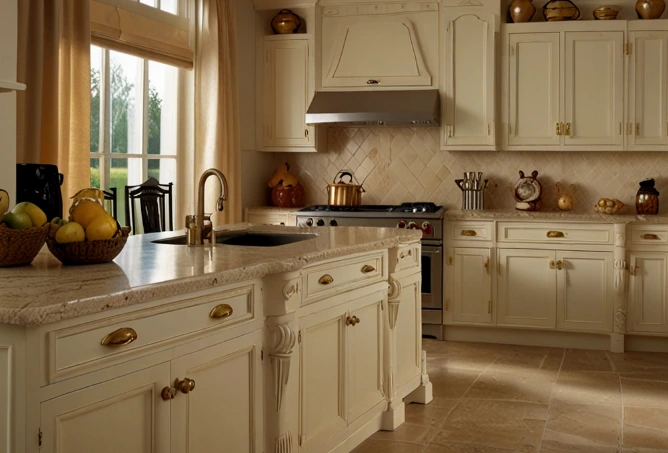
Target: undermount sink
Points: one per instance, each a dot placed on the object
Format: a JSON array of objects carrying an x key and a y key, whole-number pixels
[{"x": 247, "y": 239}]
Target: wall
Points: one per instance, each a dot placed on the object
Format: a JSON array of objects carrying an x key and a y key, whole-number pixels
[
  {"x": 405, "y": 165},
  {"x": 8, "y": 46}
]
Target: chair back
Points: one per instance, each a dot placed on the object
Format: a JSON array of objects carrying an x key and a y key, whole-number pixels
[
  {"x": 110, "y": 195},
  {"x": 154, "y": 199}
]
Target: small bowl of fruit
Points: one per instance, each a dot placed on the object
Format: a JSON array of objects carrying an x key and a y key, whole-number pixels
[
  {"x": 23, "y": 231},
  {"x": 608, "y": 206},
  {"x": 90, "y": 236}
]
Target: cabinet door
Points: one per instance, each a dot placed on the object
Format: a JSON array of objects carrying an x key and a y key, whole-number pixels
[
  {"x": 322, "y": 380},
  {"x": 533, "y": 89},
  {"x": 365, "y": 359},
  {"x": 472, "y": 286},
  {"x": 407, "y": 330},
  {"x": 584, "y": 291},
  {"x": 648, "y": 289},
  {"x": 224, "y": 410},
  {"x": 526, "y": 288},
  {"x": 469, "y": 79},
  {"x": 125, "y": 414},
  {"x": 594, "y": 88},
  {"x": 287, "y": 93},
  {"x": 648, "y": 89}
]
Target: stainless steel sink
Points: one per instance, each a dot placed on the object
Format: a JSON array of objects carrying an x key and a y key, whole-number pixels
[{"x": 247, "y": 239}]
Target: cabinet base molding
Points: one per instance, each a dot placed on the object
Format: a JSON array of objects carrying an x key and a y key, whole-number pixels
[
  {"x": 393, "y": 417},
  {"x": 646, "y": 343}
]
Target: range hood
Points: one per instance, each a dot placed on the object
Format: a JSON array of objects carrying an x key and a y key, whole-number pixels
[{"x": 375, "y": 108}]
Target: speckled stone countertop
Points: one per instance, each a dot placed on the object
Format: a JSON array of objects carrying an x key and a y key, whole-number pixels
[
  {"x": 47, "y": 291},
  {"x": 552, "y": 216}
]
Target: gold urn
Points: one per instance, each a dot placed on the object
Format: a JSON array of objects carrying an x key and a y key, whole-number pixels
[{"x": 285, "y": 22}]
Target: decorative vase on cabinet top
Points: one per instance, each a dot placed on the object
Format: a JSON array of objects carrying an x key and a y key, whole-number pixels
[
  {"x": 522, "y": 11},
  {"x": 285, "y": 22},
  {"x": 556, "y": 10},
  {"x": 650, "y": 9}
]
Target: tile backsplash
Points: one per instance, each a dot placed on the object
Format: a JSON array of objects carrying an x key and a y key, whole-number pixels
[{"x": 405, "y": 164}]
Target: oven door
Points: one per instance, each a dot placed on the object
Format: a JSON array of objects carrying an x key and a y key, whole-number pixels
[{"x": 432, "y": 284}]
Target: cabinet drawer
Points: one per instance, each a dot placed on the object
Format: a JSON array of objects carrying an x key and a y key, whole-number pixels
[
  {"x": 554, "y": 232},
  {"x": 342, "y": 275},
  {"x": 649, "y": 234},
  {"x": 406, "y": 257},
  {"x": 472, "y": 231},
  {"x": 79, "y": 349},
  {"x": 267, "y": 219}
]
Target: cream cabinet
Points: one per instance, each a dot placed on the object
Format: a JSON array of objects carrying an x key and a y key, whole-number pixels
[
  {"x": 269, "y": 215},
  {"x": 469, "y": 58},
  {"x": 472, "y": 286},
  {"x": 284, "y": 93},
  {"x": 648, "y": 288},
  {"x": 647, "y": 125},
  {"x": 407, "y": 326}
]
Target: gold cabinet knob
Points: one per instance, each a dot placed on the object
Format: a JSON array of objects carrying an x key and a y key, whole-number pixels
[
  {"x": 326, "y": 279},
  {"x": 186, "y": 385},
  {"x": 487, "y": 263},
  {"x": 349, "y": 320},
  {"x": 560, "y": 265},
  {"x": 558, "y": 128},
  {"x": 168, "y": 393},
  {"x": 221, "y": 311},
  {"x": 551, "y": 264},
  {"x": 367, "y": 269},
  {"x": 356, "y": 320},
  {"x": 121, "y": 337},
  {"x": 568, "y": 129}
]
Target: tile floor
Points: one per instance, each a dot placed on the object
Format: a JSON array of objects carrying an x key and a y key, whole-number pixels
[{"x": 500, "y": 398}]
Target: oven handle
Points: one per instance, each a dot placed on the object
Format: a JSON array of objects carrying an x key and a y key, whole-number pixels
[{"x": 431, "y": 251}]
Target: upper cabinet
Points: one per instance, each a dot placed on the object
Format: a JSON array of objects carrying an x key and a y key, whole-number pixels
[
  {"x": 468, "y": 59},
  {"x": 380, "y": 45}
]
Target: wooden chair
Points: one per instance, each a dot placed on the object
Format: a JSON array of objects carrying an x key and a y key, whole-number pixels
[
  {"x": 110, "y": 195},
  {"x": 152, "y": 206}
]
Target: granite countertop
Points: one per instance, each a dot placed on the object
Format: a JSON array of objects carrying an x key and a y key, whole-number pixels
[
  {"x": 47, "y": 291},
  {"x": 552, "y": 216}
]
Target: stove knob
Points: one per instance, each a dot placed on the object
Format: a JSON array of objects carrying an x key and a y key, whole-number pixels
[
  {"x": 427, "y": 229},
  {"x": 333, "y": 223},
  {"x": 412, "y": 226},
  {"x": 321, "y": 222},
  {"x": 401, "y": 224},
  {"x": 309, "y": 222}
]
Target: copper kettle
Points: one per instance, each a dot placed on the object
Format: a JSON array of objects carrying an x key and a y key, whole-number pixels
[{"x": 344, "y": 193}]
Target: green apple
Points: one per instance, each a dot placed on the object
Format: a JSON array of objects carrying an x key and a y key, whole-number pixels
[
  {"x": 4, "y": 202},
  {"x": 36, "y": 215},
  {"x": 17, "y": 221}
]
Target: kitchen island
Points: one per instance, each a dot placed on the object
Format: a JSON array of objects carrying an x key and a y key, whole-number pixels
[{"x": 299, "y": 347}]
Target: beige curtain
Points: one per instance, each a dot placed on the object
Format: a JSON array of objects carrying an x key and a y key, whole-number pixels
[
  {"x": 217, "y": 105},
  {"x": 53, "y": 114}
]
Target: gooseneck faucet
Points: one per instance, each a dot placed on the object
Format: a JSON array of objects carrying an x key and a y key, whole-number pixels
[{"x": 196, "y": 230}]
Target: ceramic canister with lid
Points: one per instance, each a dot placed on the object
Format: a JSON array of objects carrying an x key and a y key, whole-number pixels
[{"x": 647, "y": 198}]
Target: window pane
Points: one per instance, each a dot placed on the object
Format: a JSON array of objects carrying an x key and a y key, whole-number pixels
[
  {"x": 126, "y": 77},
  {"x": 162, "y": 80},
  {"x": 164, "y": 170},
  {"x": 95, "y": 172},
  {"x": 95, "y": 69},
  {"x": 148, "y": 2},
  {"x": 124, "y": 172},
  {"x": 168, "y": 5}
]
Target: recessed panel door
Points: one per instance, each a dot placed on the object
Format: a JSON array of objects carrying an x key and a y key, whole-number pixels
[
  {"x": 648, "y": 307},
  {"x": 472, "y": 301}
]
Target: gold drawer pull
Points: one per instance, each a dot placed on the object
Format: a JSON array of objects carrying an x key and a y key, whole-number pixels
[
  {"x": 221, "y": 311},
  {"x": 185, "y": 386},
  {"x": 326, "y": 279},
  {"x": 168, "y": 393},
  {"x": 468, "y": 233},
  {"x": 555, "y": 234},
  {"x": 367, "y": 269},
  {"x": 120, "y": 337},
  {"x": 551, "y": 264},
  {"x": 352, "y": 321},
  {"x": 560, "y": 265},
  {"x": 651, "y": 237}
]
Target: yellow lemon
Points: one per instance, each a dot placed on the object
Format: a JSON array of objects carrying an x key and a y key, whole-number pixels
[
  {"x": 70, "y": 232},
  {"x": 86, "y": 211},
  {"x": 101, "y": 228}
]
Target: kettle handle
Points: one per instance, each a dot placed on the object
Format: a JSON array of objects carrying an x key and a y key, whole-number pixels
[
  {"x": 61, "y": 178},
  {"x": 341, "y": 174}
]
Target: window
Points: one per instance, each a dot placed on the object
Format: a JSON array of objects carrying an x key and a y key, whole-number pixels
[{"x": 133, "y": 121}]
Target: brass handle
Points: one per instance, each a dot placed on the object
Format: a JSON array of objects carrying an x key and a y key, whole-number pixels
[
  {"x": 489, "y": 307},
  {"x": 555, "y": 234},
  {"x": 487, "y": 263},
  {"x": 168, "y": 393},
  {"x": 185, "y": 386},
  {"x": 356, "y": 320},
  {"x": 325, "y": 279},
  {"x": 559, "y": 265},
  {"x": 568, "y": 129},
  {"x": 306, "y": 133},
  {"x": 403, "y": 254},
  {"x": 120, "y": 337},
  {"x": 651, "y": 237},
  {"x": 551, "y": 264},
  {"x": 558, "y": 131},
  {"x": 638, "y": 129},
  {"x": 349, "y": 320},
  {"x": 367, "y": 269},
  {"x": 221, "y": 311},
  {"x": 468, "y": 233},
  {"x": 372, "y": 82}
]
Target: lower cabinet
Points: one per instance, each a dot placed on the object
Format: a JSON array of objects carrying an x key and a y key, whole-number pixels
[
  {"x": 336, "y": 388},
  {"x": 407, "y": 332},
  {"x": 472, "y": 286},
  {"x": 648, "y": 307}
]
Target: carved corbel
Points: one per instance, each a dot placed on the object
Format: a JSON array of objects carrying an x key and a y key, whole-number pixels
[
  {"x": 284, "y": 443},
  {"x": 290, "y": 289},
  {"x": 620, "y": 276},
  {"x": 620, "y": 320},
  {"x": 393, "y": 294},
  {"x": 280, "y": 355}
]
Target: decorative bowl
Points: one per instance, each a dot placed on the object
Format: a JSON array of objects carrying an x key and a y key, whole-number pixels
[
  {"x": 612, "y": 206},
  {"x": 88, "y": 252},
  {"x": 20, "y": 247},
  {"x": 606, "y": 12}
]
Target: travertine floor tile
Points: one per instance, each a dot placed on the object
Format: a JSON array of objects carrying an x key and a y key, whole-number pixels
[
  {"x": 452, "y": 382},
  {"x": 509, "y": 425},
  {"x": 587, "y": 387},
  {"x": 637, "y": 392},
  {"x": 532, "y": 385},
  {"x": 633, "y": 362},
  {"x": 470, "y": 356},
  {"x": 384, "y": 446},
  {"x": 584, "y": 425},
  {"x": 464, "y": 448},
  {"x": 649, "y": 375},
  {"x": 529, "y": 357},
  {"x": 646, "y": 428},
  {"x": 558, "y": 447},
  {"x": 584, "y": 360},
  {"x": 429, "y": 414},
  {"x": 408, "y": 432}
]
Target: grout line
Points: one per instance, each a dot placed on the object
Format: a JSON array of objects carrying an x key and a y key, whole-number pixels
[
  {"x": 549, "y": 405},
  {"x": 621, "y": 428}
]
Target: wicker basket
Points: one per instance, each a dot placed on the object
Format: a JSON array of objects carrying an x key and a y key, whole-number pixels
[
  {"x": 89, "y": 252},
  {"x": 20, "y": 247}
]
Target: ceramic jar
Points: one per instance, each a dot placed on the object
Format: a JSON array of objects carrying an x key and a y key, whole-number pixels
[
  {"x": 285, "y": 22},
  {"x": 557, "y": 10},
  {"x": 650, "y": 9},
  {"x": 522, "y": 11},
  {"x": 647, "y": 198}
]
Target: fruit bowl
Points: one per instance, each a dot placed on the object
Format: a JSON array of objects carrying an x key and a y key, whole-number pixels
[
  {"x": 88, "y": 252},
  {"x": 608, "y": 206},
  {"x": 20, "y": 247}
]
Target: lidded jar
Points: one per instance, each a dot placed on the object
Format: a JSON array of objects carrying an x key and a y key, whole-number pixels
[{"x": 647, "y": 198}]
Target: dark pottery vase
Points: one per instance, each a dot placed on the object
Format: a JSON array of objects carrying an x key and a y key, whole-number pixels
[
  {"x": 522, "y": 11},
  {"x": 650, "y": 9},
  {"x": 647, "y": 198}
]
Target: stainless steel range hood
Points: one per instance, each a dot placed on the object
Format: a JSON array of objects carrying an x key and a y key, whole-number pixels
[{"x": 375, "y": 108}]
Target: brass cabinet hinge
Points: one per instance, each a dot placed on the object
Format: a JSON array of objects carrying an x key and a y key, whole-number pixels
[
  {"x": 489, "y": 307},
  {"x": 628, "y": 48},
  {"x": 382, "y": 305},
  {"x": 40, "y": 437},
  {"x": 447, "y": 304},
  {"x": 299, "y": 337},
  {"x": 449, "y": 261},
  {"x": 261, "y": 354},
  {"x": 511, "y": 51}
]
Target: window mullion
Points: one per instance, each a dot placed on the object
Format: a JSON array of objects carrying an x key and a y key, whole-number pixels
[
  {"x": 105, "y": 120},
  {"x": 145, "y": 119}
]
